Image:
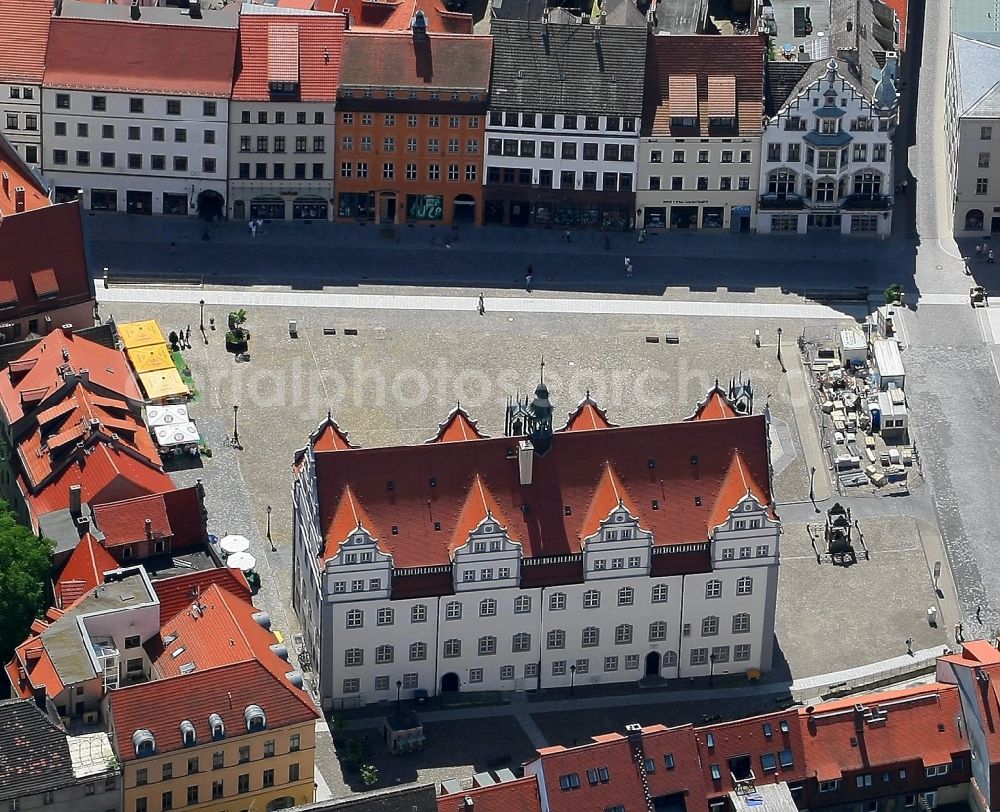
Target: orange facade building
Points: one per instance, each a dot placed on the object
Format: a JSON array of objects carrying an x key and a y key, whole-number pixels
[{"x": 411, "y": 121}]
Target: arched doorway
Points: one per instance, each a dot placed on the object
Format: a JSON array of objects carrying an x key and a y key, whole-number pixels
[
  {"x": 464, "y": 210},
  {"x": 284, "y": 802},
  {"x": 974, "y": 220},
  {"x": 211, "y": 205},
  {"x": 449, "y": 683},
  {"x": 653, "y": 664},
  {"x": 267, "y": 207}
]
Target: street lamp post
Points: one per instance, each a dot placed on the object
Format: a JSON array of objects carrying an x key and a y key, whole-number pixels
[
  {"x": 572, "y": 679},
  {"x": 273, "y": 548},
  {"x": 236, "y": 427},
  {"x": 779, "y": 343},
  {"x": 711, "y": 670},
  {"x": 201, "y": 324},
  {"x": 399, "y": 687},
  {"x": 812, "y": 479}
]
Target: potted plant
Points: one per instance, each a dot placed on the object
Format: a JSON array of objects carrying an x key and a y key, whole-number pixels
[
  {"x": 238, "y": 336},
  {"x": 369, "y": 775}
]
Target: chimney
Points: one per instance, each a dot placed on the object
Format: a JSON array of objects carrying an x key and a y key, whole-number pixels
[
  {"x": 525, "y": 460},
  {"x": 419, "y": 27},
  {"x": 6, "y": 184},
  {"x": 194, "y": 9},
  {"x": 84, "y": 375},
  {"x": 149, "y": 529},
  {"x": 859, "y": 719},
  {"x": 41, "y": 699},
  {"x": 83, "y": 525},
  {"x": 135, "y": 13},
  {"x": 468, "y": 804},
  {"x": 75, "y": 508},
  {"x": 18, "y": 198}
]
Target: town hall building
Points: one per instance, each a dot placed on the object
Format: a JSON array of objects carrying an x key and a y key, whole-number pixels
[{"x": 586, "y": 554}]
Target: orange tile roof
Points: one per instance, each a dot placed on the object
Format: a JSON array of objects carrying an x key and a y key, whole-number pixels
[
  {"x": 395, "y": 15},
  {"x": 319, "y": 40},
  {"x": 18, "y": 175},
  {"x": 221, "y": 632},
  {"x": 227, "y": 691},
  {"x": 349, "y": 516},
  {"x": 479, "y": 505},
  {"x": 31, "y": 666},
  {"x": 24, "y": 32},
  {"x": 390, "y": 59},
  {"x": 587, "y": 416},
  {"x": 738, "y": 483},
  {"x": 83, "y": 571},
  {"x": 510, "y": 796},
  {"x": 330, "y": 437},
  {"x": 456, "y": 427},
  {"x": 567, "y": 475},
  {"x": 902, "y": 9},
  {"x": 40, "y": 369},
  {"x": 177, "y": 593},
  {"x": 124, "y": 522},
  {"x": 912, "y": 731},
  {"x": 609, "y": 494},
  {"x": 125, "y": 56}
]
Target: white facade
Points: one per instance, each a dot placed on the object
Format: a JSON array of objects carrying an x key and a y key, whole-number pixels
[
  {"x": 22, "y": 115},
  {"x": 139, "y": 153},
  {"x": 281, "y": 157},
  {"x": 826, "y": 161},
  {"x": 699, "y": 183},
  {"x": 534, "y": 154},
  {"x": 619, "y": 624}
]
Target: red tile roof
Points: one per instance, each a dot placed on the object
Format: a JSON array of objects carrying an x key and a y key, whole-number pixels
[
  {"x": 18, "y": 175},
  {"x": 125, "y": 522},
  {"x": 567, "y": 475},
  {"x": 227, "y": 691},
  {"x": 608, "y": 496},
  {"x": 686, "y": 774},
  {"x": 902, "y": 9},
  {"x": 748, "y": 737},
  {"x": 177, "y": 593},
  {"x": 456, "y": 427},
  {"x": 587, "y": 416},
  {"x": 715, "y": 407},
  {"x": 395, "y": 15},
  {"x": 24, "y": 32},
  {"x": 83, "y": 571},
  {"x": 912, "y": 731},
  {"x": 125, "y": 56},
  {"x": 480, "y": 504},
  {"x": 509, "y": 796},
  {"x": 330, "y": 437},
  {"x": 318, "y": 39},
  {"x": 39, "y": 369},
  {"x": 672, "y": 62},
  {"x": 446, "y": 61},
  {"x": 31, "y": 666},
  {"x": 45, "y": 239},
  {"x": 221, "y": 632}
]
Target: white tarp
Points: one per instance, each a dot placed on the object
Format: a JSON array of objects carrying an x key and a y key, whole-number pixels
[
  {"x": 176, "y": 434},
  {"x": 166, "y": 415}
]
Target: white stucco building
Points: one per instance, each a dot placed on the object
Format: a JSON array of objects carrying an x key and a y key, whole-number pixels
[
  {"x": 135, "y": 109},
  {"x": 700, "y": 153},
  {"x": 533, "y": 560},
  {"x": 562, "y": 148},
  {"x": 826, "y": 157},
  {"x": 23, "y": 37},
  {"x": 281, "y": 142}
]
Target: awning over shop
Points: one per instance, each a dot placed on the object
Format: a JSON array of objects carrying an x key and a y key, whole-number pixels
[
  {"x": 140, "y": 334},
  {"x": 163, "y": 384},
  {"x": 180, "y": 434},
  {"x": 151, "y": 358},
  {"x": 167, "y": 415}
]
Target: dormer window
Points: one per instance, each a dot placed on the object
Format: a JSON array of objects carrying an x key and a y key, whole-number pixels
[
  {"x": 254, "y": 717},
  {"x": 479, "y": 547},
  {"x": 217, "y": 727},
  {"x": 144, "y": 743},
  {"x": 188, "y": 736}
]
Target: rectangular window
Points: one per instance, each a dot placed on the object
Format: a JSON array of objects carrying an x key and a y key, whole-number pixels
[
  {"x": 268, "y": 778},
  {"x": 180, "y": 163},
  {"x": 107, "y": 160},
  {"x": 62, "y": 101},
  {"x": 208, "y": 166},
  {"x": 99, "y": 104},
  {"x": 475, "y": 675},
  {"x": 864, "y": 780},
  {"x": 982, "y": 186},
  {"x": 83, "y": 158},
  {"x": 82, "y": 130},
  {"x": 173, "y": 107},
  {"x": 985, "y": 133},
  {"x": 160, "y": 162}
]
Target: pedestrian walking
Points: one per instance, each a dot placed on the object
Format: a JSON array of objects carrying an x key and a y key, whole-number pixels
[
  {"x": 989, "y": 257},
  {"x": 979, "y": 250},
  {"x": 566, "y": 235},
  {"x": 979, "y": 613},
  {"x": 909, "y": 646},
  {"x": 528, "y": 276},
  {"x": 252, "y": 226},
  {"x": 905, "y": 184},
  {"x": 187, "y": 336},
  {"x": 482, "y": 306},
  {"x": 628, "y": 267},
  {"x": 958, "y": 632}
]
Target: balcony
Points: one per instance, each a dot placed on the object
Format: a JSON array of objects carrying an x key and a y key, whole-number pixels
[
  {"x": 867, "y": 203},
  {"x": 783, "y": 202}
]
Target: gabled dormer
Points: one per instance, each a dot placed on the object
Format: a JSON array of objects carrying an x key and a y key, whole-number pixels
[
  {"x": 458, "y": 426},
  {"x": 482, "y": 550},
  {"x": 743, "y": 527},
  {"x": 356, "y": 567},
  {"x": 587, "y": 416},
  {"x": 614, "y": 545}
]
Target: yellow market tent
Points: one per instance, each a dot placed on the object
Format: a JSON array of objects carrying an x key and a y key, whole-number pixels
[
  {"x": 151, "y": 358},
  {"x": 163, "y": 384},
  {"x": 140, "y": 334}
]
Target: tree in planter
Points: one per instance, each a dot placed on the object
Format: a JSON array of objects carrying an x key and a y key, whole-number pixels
[
  {"x": 238, "y": 335},
  {"x": 369, "y": 775},
  {"x": 893, "y": 293}
]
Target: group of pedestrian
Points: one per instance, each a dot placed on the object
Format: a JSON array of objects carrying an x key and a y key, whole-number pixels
[
  {"x": 982, "y": 251},
  {"x": 254, "y": 224}
]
